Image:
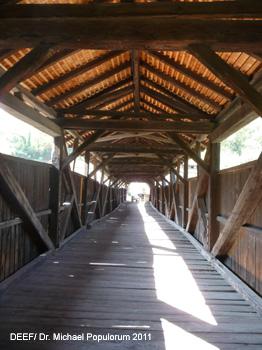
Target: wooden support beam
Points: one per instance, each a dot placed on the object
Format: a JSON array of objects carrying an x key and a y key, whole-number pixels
[
  {"x": 102, "y": 164},
  {"x": 189, "y": 151},
  {"x": 104, "y": 96},
  {"x": 16, "y": 199},
  {"x": 181, "y": 86},
  {"x": 83, "y": 147},
  {"x": 117, "y": 31},
  {"x": 214, "y": 196},
  {"x": 170, "y": 166},
  {"x": 201, "y": 189},
  {"x": 133, "y": 125},
  {"x": 24, "y": 68},
  {"x": 166, "y": 211},
  {"x": 129, "y": 148},
  {"x": 229, "y": 75},
  {"x": 105, "y": 200},
  {"x": 80, "y": 70},
  {"x": 136, "y": 78},
  {"x": 55, "y": 192},
  {"x": 202, "y": 210},
  {"x": 190, "y": 74},
  {"x": 99, "y": 8},
  {"x": 148, "y": 115},
  {"x": 65, "y": 216},
  {"x": 246, "y": 203}
]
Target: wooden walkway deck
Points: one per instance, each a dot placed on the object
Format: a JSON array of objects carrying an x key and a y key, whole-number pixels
[{"x": 135, "y": 280}]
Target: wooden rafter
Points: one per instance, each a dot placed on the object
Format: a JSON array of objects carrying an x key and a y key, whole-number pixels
[
  {"x": 24, "y": 68},
  {"x": 181, "y": 86},
  {"x": 56, "y": 57},
  {"x": 190, "y": 74},
  {"x": 103, "y": 96},
  {"x": 80, "y": 70},
  {"x": 168, "y": 98},
  {"x": 229, "y": 75}
]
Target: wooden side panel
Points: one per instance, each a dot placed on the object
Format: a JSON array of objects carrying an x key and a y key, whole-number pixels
[
  {"x": 17, "y": 247},
  {"x": 244, "y": 257}
]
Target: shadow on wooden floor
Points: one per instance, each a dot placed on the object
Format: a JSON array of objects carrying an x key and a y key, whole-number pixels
[{"x": 135, "y": 281}]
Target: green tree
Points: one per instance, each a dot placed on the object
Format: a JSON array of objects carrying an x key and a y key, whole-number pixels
[{"x": 39, "y": 149}]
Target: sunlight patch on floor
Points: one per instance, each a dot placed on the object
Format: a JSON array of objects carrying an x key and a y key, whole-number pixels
[
  {"x": 174, "y": 282},
  {"x": 184, "y": 340}
]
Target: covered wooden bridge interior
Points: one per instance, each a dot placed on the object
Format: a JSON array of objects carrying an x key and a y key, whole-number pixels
[{"x": 138, "y": 88}]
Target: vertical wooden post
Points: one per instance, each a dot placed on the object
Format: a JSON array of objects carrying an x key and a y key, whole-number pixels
[
  {"x": 84, "y": 195},
  {"x": 55, "y": 192},
  {"x": 185, "y": 201},
  {"x": 214, "y": 196}
]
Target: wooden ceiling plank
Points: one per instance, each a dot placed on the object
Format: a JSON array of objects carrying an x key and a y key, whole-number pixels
[
  {"x": 229, "y": 75},
  {"x": 100, "y": 97},
  {"x": 24, "y": 68},
  {"x": 56, "y": 57},
  {"x": 246, "y": 203},
  {"x": 84, "y": 146},
  {"x": 190, "y": 74},
  {"x": 83, "y": 69},
  {"x": 189, "y": 151},
  {"x": 128, "y": 125},
  {"x": 181, "y": 86}
]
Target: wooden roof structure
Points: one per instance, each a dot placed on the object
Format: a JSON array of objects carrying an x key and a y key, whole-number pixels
[{"x": 138, "y": 85}]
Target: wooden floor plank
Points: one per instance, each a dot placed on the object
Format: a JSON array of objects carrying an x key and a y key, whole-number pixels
[{"x": 132, "y": 273}]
